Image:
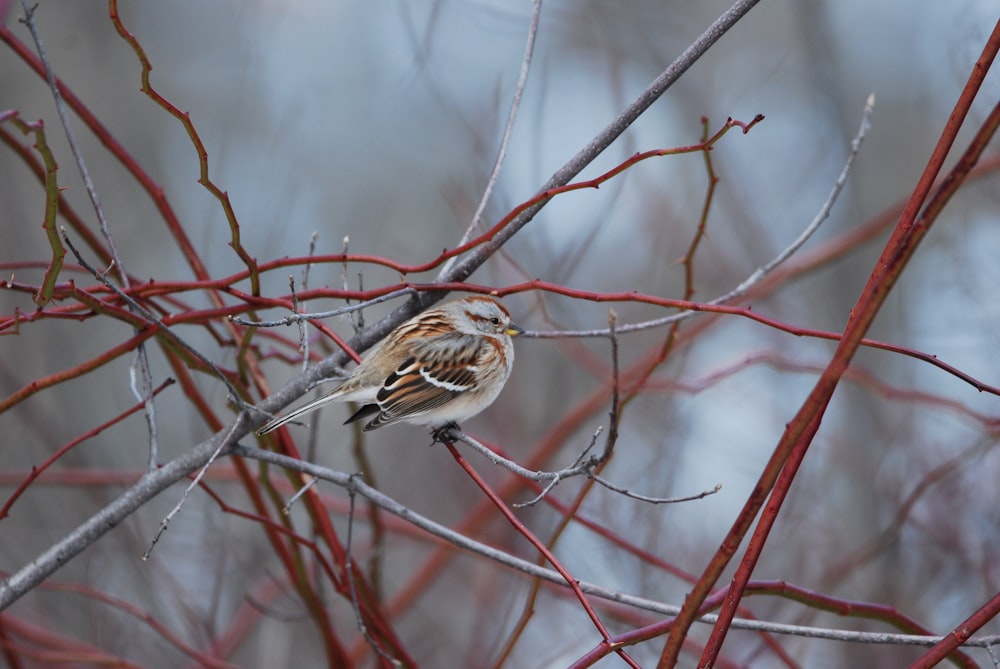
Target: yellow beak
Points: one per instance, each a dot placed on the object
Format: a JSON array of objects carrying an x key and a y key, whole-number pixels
[{"x": 514, "y": 329}]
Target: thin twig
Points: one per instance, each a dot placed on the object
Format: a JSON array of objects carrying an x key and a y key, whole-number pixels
[
  {"x": 313, "y": 238},
  {"x": 822, "y": 215},
  {"x": 776, "y": 478},
  {"x": 204, "y": 178},
  {"x": 303, "y": 332},
  {"x": 340, "y": 311},
  {"x": 609, "y": 134},
  {"x": 550, "y": 557},
  {"x": 582, "y": 467},
  {"x": 287, "y": 508},
  {"x": 515, "y": 105},
  {"x": 359, "y": 320},
  {"x": 991, "y": 649},
  {"x": 654, "y": 500},
  {"x": 555, "y": 481},
  {"x": 223, "y": 443},
  {"x": 154, "y": 321},
  {"x": 758, "y": 274},
  {"x": 29, "y": 21},
  {"x": 531, "y": 569},
  {"x": 303, "y": 346},
  {"x": 343, "y": 266},
  {"x": 145, "y": 393},
  {"x": 612, "y": 438},
  {"x": 349, "y": 569}
]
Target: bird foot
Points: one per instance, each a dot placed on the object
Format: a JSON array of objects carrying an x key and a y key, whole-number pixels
[{"x": 446, "y": 433}]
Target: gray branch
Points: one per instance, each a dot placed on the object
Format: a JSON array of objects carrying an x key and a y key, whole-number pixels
[{"x": 157, "y": 480}]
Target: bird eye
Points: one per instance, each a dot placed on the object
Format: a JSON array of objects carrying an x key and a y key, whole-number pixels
[{"x": 495, "y": 320}]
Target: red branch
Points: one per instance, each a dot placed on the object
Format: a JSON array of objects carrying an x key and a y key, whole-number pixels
[
  {"x": 540, "y": 546},
  {"x": 788, "y": 454},
  {"x": 39, "y": 470},
  {"x": 204, "y": 179}
]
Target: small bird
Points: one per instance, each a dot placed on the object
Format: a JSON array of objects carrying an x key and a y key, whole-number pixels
[{"x": 442, "y": 366}]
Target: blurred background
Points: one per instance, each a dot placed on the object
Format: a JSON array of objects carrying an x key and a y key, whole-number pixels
[{"x": 380, "y": 121}]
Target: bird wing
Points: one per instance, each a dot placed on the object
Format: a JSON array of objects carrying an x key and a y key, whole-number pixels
[{"x": 432, "y": 377}]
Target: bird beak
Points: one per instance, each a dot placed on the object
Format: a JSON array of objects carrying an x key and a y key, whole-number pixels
[{"x": 514, "y": 329}]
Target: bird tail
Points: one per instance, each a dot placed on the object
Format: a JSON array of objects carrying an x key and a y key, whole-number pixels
[{"x": 302, "y": 410}]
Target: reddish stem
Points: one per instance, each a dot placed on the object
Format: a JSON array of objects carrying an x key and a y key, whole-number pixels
[
  {"x": 798, "y": 436},
  {"x": 539, "y": 545}
]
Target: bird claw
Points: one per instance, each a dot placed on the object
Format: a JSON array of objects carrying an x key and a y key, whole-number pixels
[{"x": 446, "y": 433}]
